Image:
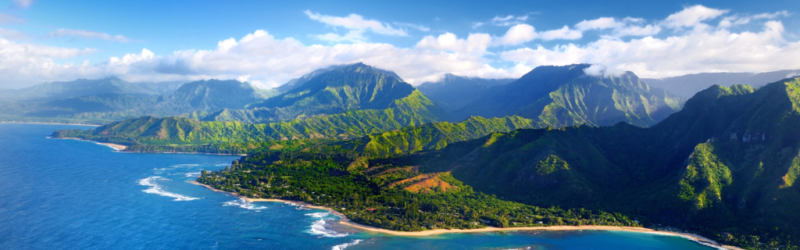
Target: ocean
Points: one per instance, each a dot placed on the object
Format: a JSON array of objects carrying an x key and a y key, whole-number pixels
[{"x": 70, "y": 194}]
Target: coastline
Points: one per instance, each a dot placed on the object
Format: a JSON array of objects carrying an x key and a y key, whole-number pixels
[
  {"x": 52, "y": 123},
  {"x": 345, "y": 221},
  {"x": 120, "y": 147},
  {"x": 116, "y": 147}
]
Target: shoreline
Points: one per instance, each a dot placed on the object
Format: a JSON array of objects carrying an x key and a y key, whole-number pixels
[
  {"x": 345, "y": 221},
  {"x": 52, "y": 123},
  {"x": 116, "y": 147},
  {"x": 119, "y": 147}
]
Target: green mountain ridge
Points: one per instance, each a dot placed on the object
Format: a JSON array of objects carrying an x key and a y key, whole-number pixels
[
  {"x": 414, "y": 109},
  {"x": 334, "y": 90},
  {"x": 724, "y": 164},
  {"x": 558, "y": 96}
]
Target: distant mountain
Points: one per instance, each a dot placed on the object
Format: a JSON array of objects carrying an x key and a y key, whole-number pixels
[
  {"x": 331, "y": 91},
  {"x": 216, "y": 94},
  {"x": 724, "y": 166},
  {"x": 178, "y": 134},
  {"x": 342, "y": 103},
  {"x": 454, "y": 92},
  {"x": 688, "y": 85},
  {"x": 559, "y": 96},
  {"x": 294, "y": 83},
  {"x": 105, "y": 100},
  {"x": 78, "y": 88}
]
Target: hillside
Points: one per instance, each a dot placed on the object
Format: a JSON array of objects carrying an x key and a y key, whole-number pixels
[
  {"x": 414, "y": 109},
  {"x": 558, "y": 96},
  {"x": 726, "y": 163},
  {"x": 725, "y": 167},
  {"x": 216, "y": 94},
  {"x": 329, "y": 91},
  {"x": 688, "y": 85},
  {"x": 454, "y": 92}
]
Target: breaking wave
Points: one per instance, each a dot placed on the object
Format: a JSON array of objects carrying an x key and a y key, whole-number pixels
[
  {"x": 242, "y": 203},
  {"x": 192, "y": 174},
  {"x": 345, "y": 245},
  {"x": 156, "y": 189},
  {"x": 318, "y": 227}
]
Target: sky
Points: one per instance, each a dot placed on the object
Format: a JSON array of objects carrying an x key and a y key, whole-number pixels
[{"x": 267, "y": 43}]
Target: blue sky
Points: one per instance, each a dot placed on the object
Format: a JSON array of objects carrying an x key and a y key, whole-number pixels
[{"x": 45, "y": 40}]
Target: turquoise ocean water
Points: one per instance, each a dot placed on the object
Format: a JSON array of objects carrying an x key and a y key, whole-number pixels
[{"x": 69, "y": 194}]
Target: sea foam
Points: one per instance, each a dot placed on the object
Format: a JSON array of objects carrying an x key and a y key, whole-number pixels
[
  {"x": 318, "y": 227},
  {"x": 156, "y": 189},
  {"x": 242, "y": 203},
  {"x": 345, "y": 245},
  {"x": 192, "y": 174}
]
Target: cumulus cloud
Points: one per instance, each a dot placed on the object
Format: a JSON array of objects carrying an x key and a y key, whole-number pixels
[
  {"x": 85, "y": 34},
  {"x": 694, "y": 52},
  {"x": 563, "y": 33},
  {"x": 356, "y": 25},
  {"x": 474, "y": 44},
  {"x": 267, "y": 61},
  {"x": 692, "y": 16},
  {"x": 518, "y": 34},
  {"x": 28, "y": 63}
]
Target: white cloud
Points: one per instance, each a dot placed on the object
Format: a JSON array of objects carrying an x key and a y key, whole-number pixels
[
  {"x": 475, "y": 43},
  {"x": 733, "y": 20},
  {"x": 518, "y": 34},
  {"x": 694, "y": 52},
  {"x": 627, "y": 27},
  {"x": 503, "y": 21},
  {"x": 414, "y": 26},
  {"x": 22, "y": 4},
  {"x": 772, "y": 15},
  {"x": 597, "y": 24},
  {"x": 563, "y": 33},
  {"x": 85, "y": 34},
  {"x": 356, "y": 25},
  {"x": 258, "y": 58},
  {"x": 264, "y": 60},
  {"x": 692, "y": 16},
  {"x": 22, "y": 64}
]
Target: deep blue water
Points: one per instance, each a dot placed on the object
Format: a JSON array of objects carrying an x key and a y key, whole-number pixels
[{"x": 68, "y": 194}]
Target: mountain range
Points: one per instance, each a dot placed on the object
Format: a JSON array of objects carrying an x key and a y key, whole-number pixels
[
  {"x": 722, "y": 163},
  {"x": 337, "y": 97}
]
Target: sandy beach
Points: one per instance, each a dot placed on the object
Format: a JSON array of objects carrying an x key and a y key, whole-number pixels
[
  {"x": 117, "y": 147},
  {"x": 344, "y": 221}
]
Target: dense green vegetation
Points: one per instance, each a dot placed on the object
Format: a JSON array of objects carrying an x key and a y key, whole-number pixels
[
  {"x": 337, "y": 90},
  {"x": 724, "y": 167},
  {"x": 558, "y": 96},
  {"x": 414, "y": 109},
  {"x": 374, "y": 198}
]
